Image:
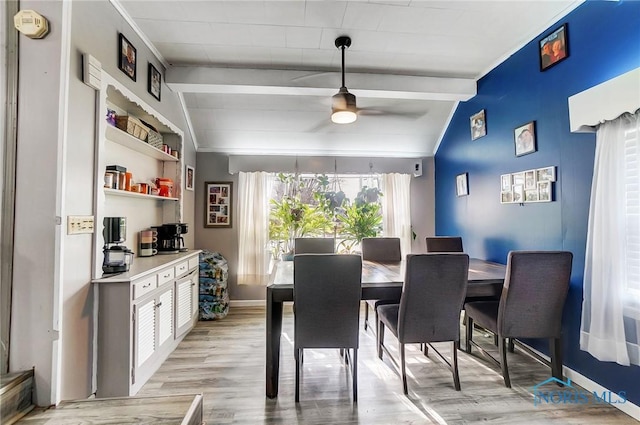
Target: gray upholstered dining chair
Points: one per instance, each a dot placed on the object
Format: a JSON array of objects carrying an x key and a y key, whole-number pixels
[
  {"x": 533, "y": 296},
  {"x": 314, "y": 246},
  {"x": 429, "y": 310},
  {"x": 326, "y": 296},
  {"x": 444, "y": 244},
  {"x": 382, "y": 250}
]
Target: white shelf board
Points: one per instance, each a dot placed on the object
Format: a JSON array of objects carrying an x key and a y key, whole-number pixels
[
  {"x": 116, "y": 192},
  {"x": 123, "y": 138}
]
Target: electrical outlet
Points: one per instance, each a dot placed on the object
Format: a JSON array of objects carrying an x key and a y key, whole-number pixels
[{"x": 77, "y": 224}]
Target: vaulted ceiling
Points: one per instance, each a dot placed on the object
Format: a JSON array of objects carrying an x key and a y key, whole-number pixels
[{"x": 257, "y": 76}]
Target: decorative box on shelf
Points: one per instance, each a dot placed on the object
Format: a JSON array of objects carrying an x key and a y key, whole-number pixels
[
  {"x": 155, "y": 139},
  {"x": 133, "y": 126}
]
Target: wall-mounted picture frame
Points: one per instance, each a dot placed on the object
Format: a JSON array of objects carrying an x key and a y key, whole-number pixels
[
  {"x": 528, "y": 186},
  {"x": 531, "y": 195},
  {"x": 553, "y": 47},
  {"x": 127, "y": 57},
  {"x": 530, "y": 181},
  {"x": 544, "y": 191},
  {"x": 462, "y": 184},
  {"x": 518, "y": 193},
  {"x": 525, "y": 138},
  {"x": 505, "y": 182},
  {"x": 478, "y": 124},
  {"x": 154, "y": 84},
  {"x": 506, "y": 197},
  {"x": 218, "y": 204},
  {"x": 189, "y": 177},
  {"x": 547, "y": 174}
]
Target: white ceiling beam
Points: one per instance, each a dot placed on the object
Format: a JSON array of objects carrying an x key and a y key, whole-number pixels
[{"x": 311, "y": 83}]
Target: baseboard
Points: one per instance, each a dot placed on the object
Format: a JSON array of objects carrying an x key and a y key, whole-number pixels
[
  {"x": 591, "y": 386},
  {"x": 247, "y": 303}
]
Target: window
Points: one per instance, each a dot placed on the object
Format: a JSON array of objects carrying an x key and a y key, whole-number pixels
[
  {"x": 610, "y": 328},
  {"x": 632, "y": 214},
  {"x": 346, "y": 207}
]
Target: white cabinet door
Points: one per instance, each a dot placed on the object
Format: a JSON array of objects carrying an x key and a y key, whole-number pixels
[
  {"x": 144, "y": 332},
  {"x": 183, "y": 305},
  {"x": 165, "y": 316}
]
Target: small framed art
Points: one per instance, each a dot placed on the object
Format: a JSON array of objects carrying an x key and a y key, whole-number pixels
[
  {"x": 544, "y": 191},
  {"x": 218, "y": 197},
  {"x": 127, "y": 57},
  {"x": 525, "y": 138},
  {"x": 553, "y": 47},
  {"x": 189, "y": 177},
  {"x": 462, "y": 184},
  {"x": 155, "y": 82},
  {"x": 547, "y": 174},
  {"x": 505, "y": 182},
  {"x": 478, "y": 125}
]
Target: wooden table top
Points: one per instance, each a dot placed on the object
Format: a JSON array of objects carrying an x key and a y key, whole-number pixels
[{"x": 373, "y": 274}]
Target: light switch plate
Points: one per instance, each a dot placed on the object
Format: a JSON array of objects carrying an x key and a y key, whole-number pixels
[{"x": 77, "y": 224}]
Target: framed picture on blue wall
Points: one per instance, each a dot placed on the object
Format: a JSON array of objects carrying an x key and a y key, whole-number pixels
[
  {"x": 478, "y": 125},
  {"x": 553, "y": 48},
  {"x": 462, "y": 184},
  {"x": 525, "y": 138}
]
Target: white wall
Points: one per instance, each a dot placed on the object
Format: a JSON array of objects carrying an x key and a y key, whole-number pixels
[
  {"x": 53, "y": 309},
  {"x": 35, "y": 317}
]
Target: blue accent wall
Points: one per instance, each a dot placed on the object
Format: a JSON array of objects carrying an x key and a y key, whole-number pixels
[{"x": 604, "y": 42}]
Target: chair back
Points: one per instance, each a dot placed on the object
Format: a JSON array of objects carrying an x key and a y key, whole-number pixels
[
  {"x": 444, "y": 244},
  {"x": 314, "y": 246},
  {"x": 326, "y": 296},
  {"x": 381, "y": 249},
  {"x": 534, "y": 292},
  {"x": 432, "y": 296}
]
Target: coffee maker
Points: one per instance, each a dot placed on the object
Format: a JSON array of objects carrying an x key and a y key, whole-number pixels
[
  {"x": 170, "y": 239},
  {"x": 117, "y": 258}
]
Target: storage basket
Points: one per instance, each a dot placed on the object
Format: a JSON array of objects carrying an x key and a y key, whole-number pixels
[
  {"x": 155, "y": 139},
  {"x": 132, "y": 126}
]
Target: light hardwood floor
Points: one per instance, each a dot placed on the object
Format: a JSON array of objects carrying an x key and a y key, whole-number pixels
[{"x": 225, "y": 359}]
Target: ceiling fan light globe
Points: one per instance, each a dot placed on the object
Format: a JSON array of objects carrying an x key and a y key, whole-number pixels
[{"x": 343, "y": 117}]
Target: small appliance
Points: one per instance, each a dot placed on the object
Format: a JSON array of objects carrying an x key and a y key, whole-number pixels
[
  {"x": 170, "y": 239},
  {"x": 117, "y": 258}
]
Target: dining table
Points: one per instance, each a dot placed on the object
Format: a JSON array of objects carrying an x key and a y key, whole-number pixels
[{"x": 379, "y": 281}]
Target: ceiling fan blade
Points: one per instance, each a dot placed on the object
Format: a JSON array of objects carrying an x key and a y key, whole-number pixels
[
  {"x": 386, "y": 113},
  {"x": 321, "y": 126}
]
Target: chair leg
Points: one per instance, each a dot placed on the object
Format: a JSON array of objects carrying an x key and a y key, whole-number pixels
[
  {"x": 380, "y": 339},
  {"x": 298, "y": 360},
  {"x": 502, "y": 349},
  {"x": 366, "y": 315},
  {"x": 403, "y": 369},
  {"x": 454, "y": 354},
  {"x": 425, "y": 349},
  {"x": 354, "y": 378},
  {"x": 468, "y": 325},
  {"x": 511, "y": 345},
  {"x": 555, "y": 349}
]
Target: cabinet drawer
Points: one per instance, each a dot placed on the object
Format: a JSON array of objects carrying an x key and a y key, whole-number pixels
[
  {"x": 193, "y": 262},
  {"x": 182, "y": 268},
  {"x": 165, "y": 276},
  {"x": 144, "y": 286}
]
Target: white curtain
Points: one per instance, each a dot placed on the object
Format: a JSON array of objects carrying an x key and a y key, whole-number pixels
[
  {"x": 613, "y": 246},
  {"x": 254, "y": 191},
  {"x": 396, "y": 208}
]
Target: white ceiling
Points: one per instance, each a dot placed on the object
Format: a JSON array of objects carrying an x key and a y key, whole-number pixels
[{"x": 257, "y": 76}]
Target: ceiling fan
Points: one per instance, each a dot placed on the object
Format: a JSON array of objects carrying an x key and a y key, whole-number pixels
[{"x": 343, "y": 104}]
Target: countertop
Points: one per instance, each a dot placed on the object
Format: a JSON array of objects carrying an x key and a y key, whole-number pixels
[{"x": 143, "y": 266}]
